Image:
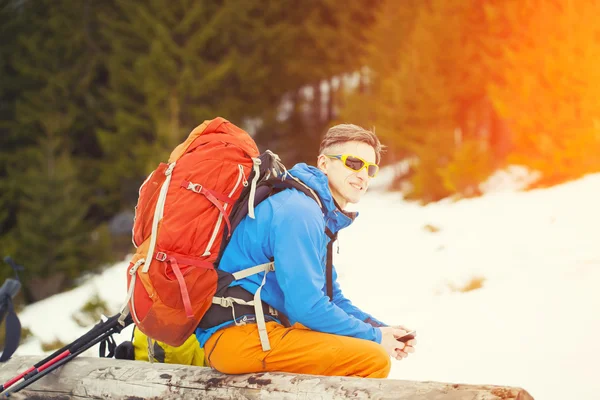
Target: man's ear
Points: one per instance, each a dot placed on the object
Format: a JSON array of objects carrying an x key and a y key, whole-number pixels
[{"x": 322, "y": 163}]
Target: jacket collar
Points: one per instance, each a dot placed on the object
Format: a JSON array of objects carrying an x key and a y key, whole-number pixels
[{"x": 335, "y": 218}]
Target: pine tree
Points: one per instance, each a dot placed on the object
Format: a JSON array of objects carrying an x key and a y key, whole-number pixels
[
  {"x": 549, "y": 92},
  {"x": 428, "y": 64},
  {"x": 172, "y": 66},
  {"x": 461, "y": 86},
  {"x": 12, "y": 23},
  {"x": 314, "y": 45},
  {"x": 52, "y": 238}
]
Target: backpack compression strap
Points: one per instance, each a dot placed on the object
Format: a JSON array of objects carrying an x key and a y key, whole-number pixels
[{"x": 211, "y": 196}]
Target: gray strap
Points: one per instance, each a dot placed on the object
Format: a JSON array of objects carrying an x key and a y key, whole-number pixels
[
  {"x": 270, "y": 266},
  {"x": 158, "y": 214},
  {"x": 125, "y": 307},
  {"x": 260, "y": 317},
  {"x": 257, "y": 303},
  {"x": 317, "y": 199},
  {"x": 150, "y": 350},
  {"x": 256, "y": 163},
  {"x": 228, "y": 301}
]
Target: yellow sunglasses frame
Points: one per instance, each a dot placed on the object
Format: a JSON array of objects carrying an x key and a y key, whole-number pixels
[{"x": 344, "y": 157}]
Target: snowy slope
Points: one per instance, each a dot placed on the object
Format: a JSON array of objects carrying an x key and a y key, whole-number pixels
[{"x": 534, "y": 323}]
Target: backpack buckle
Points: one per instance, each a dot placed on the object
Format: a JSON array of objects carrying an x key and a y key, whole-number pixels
[
  {"x": 195, "y": 187},
  {"x": 223, "y": 301},
  {"x": 161, "y": 256}
]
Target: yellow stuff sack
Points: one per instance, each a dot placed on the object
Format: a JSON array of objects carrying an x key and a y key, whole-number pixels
[{"x": 189, "y": 353}]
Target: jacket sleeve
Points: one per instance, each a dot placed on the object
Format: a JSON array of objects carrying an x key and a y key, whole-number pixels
[
  {"x": 298, "y": 240},
  {"x": 345, "y": 304}
]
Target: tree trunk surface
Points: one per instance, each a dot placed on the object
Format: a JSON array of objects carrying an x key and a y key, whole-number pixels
[{"x": 101, "y": 378}]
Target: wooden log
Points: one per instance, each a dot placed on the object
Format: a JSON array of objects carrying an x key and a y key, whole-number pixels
[{"x": 100, "y": 378}]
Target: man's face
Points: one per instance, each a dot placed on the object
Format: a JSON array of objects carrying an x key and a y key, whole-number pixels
[{"x": 347, "y": 186}]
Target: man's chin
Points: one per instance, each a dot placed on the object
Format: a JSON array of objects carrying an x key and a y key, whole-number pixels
[{"x": 354, "y": 199}]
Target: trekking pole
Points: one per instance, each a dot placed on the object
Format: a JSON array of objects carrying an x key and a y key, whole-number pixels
[
  {"x": 71, "y": 347},
  {"x": 100, "y": 332},
  {"x": 59, "y": 361},
  {"x": 35, "y": 367}
]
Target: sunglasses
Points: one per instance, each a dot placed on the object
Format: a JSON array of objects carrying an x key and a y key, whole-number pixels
[{"x": 356, "y": 163}]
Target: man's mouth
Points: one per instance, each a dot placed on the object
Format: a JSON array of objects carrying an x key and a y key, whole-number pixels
[{"x": 358, "y": 187}]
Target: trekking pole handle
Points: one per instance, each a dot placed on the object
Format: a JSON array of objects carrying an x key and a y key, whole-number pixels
[
  {"x": 10, "y": 288},
  {"x": 16, "y": 267}
]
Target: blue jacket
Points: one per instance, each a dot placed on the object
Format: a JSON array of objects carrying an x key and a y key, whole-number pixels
[{"x": 290, "y": 228}]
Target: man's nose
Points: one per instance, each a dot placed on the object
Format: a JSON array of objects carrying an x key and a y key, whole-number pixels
[{"x": 363, "y": 174}]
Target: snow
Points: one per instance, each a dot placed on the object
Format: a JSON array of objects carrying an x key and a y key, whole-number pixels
[
  {"x": 513, "y": 177},
  {"x": 534, "y": 323}
]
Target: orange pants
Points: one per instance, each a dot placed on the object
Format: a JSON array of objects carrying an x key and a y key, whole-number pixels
[{"x": 237, "y": 350}]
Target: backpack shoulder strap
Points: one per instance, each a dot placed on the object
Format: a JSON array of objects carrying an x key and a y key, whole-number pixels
[
  {"x": 295, "y": 183},
  {"x": 329, "y": 267},
  {"x": 264, "y": 190},
  {"x": 271, "y": 177}
]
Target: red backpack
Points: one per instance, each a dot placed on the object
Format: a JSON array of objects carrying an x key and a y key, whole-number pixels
[{"x": 182, "y": 209}]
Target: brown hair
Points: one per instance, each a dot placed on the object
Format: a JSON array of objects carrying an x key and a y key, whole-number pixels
[{"x": 351, "y": 133}]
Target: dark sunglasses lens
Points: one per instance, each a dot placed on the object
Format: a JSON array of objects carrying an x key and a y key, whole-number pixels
[
  {"x": 372, "y": 170},
  {"x": 354, "y": 163}
]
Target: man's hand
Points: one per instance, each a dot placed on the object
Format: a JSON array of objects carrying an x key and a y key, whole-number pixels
[{"x": 391, "y": 344}]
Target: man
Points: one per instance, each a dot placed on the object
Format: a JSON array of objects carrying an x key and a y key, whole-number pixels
[{"x": 326, "y": 337}]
